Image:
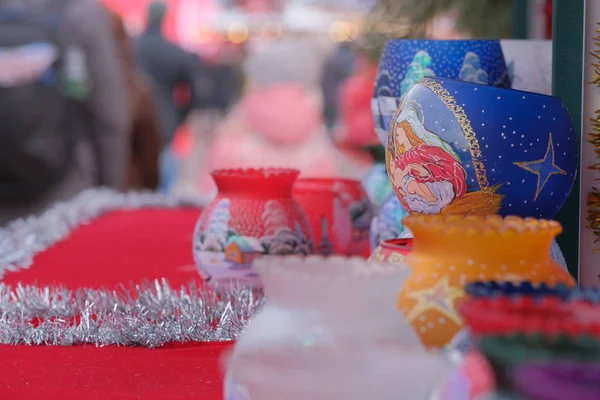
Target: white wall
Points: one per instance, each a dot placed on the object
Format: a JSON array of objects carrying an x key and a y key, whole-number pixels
[{"x": 531, "y": 63}]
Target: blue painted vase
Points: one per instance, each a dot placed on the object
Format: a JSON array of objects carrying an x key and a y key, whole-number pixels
[
  {"x": 462, "y": 148},
  {"x": 405, "y": 62}
]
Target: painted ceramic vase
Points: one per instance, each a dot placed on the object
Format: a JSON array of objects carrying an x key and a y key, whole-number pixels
[
  {"x": 462, "y": 148},
  {"x": 405, "y": 62},
  {"x": 393, "y": 251},
  {"x": 387, "y": 224},
  {"x": 253, "y": 216},
  {"x": 340, "y": 214},
  {"x": 452, "y": 251}
]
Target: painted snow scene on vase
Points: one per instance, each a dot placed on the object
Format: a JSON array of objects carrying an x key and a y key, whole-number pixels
[
  {"x": 464, "y": 148},
  {"x": 223, "y": 253},
  {"x": 406, "y": 62}
]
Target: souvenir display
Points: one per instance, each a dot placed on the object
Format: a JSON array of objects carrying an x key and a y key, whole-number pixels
[
  {"x": 387, "y": 224},
  {"x": 331, "y": 322},
  {"x": 393, "y": 251},
  {"x": 253, "y": 215},
  {"x": 458, "y": 147},
  {"x": 405, "y": 62},
  {"x": 451, "y": 251},
  {"x": 340, "y": 214}
]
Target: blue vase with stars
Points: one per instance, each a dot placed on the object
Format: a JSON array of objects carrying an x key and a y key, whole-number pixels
[{"x": 463, "y": 148}]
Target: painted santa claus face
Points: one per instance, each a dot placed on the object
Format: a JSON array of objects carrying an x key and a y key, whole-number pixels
[{"x": 425, "y": 176}]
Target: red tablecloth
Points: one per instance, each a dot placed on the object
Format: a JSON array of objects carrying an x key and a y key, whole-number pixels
[{"x": 122, "y": 247}]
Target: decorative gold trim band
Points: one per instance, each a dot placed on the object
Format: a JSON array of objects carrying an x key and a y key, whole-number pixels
[{"x": 465, "y": 124}]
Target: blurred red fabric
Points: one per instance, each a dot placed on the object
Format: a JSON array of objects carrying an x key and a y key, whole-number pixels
[{"x": 121, "y": 247}]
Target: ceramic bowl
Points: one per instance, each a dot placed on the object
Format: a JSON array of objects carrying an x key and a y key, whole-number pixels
[
  {"x": 463, "y": 148},
  {"x": 405, "y": 62}
]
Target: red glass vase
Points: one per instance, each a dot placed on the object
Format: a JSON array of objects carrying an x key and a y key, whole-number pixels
[
  {"x": 254, "y": 215},
  {"x": 340, "y": 213}
]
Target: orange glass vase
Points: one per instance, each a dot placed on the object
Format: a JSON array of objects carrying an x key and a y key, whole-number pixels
[{"x": 451, "y": 251}]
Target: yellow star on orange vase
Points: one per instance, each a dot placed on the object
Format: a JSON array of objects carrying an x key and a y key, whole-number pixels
[{"x": 439, "y": 297}]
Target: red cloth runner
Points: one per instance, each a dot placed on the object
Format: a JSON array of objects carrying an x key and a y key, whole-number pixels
[{"x": 121, "y": 247}]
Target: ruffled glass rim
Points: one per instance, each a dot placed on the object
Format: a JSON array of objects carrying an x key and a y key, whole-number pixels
[
  {"x": 256, "y": 182},
  {"x": 318, "y": 269},
  {"x": 477, "y": 225},
  {"x": 255, "y": 173}
]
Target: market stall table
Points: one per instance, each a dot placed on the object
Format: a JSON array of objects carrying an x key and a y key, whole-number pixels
[{"x": 117, "y": 248}]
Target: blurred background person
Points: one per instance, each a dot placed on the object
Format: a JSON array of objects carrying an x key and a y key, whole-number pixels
[
  {"x": 172, "y": 73},
  {"x": 59, "y": 136},
  {"x": 142, "y": 170},
  {"x": 219, "y": 84},
  {"x": 278, "y": 120}
]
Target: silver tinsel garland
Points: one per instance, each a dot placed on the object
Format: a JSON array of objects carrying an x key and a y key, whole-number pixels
[
  {"x": 22, "y": 239},
  {"x": 150, "y": 315}
]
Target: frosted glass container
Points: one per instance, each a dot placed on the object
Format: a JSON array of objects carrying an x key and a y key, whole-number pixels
[{"x": 330, "y": 330}]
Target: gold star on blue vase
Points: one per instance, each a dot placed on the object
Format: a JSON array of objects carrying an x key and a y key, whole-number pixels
[{"x": 543, "y": 168}]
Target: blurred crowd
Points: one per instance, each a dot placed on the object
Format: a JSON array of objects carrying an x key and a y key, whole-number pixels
[{"x": 84, "y": 104}]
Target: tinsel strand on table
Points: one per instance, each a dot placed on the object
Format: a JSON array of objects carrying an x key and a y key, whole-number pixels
[
  {"x": 593, "y": 200},
  {"x": 149, "y": 315},
  {"x": 22, "y": 239}
]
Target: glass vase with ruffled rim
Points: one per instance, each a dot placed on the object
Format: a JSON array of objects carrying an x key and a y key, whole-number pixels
[
  {"x": 253, "y": 215},
  {"x": 329, "y": 329},
  {"x": 450, "y": 251}
]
